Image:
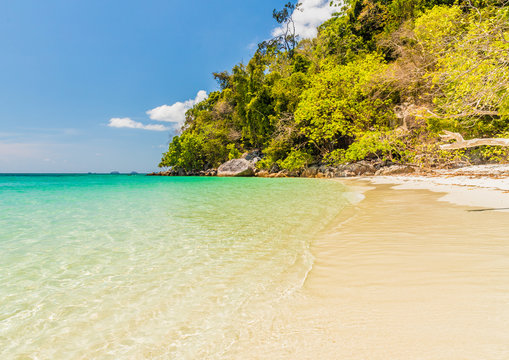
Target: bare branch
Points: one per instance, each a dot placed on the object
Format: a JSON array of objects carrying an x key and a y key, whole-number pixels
[{"x": 461, "y": 143}]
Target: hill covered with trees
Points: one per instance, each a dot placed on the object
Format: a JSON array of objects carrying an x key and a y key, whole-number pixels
[{"x": 381, "y": 81}]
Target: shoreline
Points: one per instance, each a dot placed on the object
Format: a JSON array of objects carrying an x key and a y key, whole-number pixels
[
  {"x": 487, "y": 191},
  {"x": 401, "y": 275}
]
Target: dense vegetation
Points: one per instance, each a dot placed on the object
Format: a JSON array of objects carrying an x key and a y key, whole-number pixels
[{"x": 380, "y": 81}]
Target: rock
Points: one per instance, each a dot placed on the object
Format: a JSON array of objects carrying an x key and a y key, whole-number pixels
[
  {"x": 354, "y": 169},
  {"x": 281, "y": 174},
  {"x": 395, "y": 170},
  {"x": 310, "y": 171},
  {"x": 344, "y": 173},
  {"x": 236, "y": 167},
  {"x": 252, "y": 155},
  {"x": 255, "y": 160},
  {"x": 364, "y": 168},
  {"x": 262, "y": 173}
]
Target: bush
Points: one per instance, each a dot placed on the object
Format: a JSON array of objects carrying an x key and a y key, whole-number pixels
[
  {"x": 374, "y": 144},
  {"x": 233, "y": 152},
  {"x": 296, "y": 160},
  {"x": 185, "y": 151}
]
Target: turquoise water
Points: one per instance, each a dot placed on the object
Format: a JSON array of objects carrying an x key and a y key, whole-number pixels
[{"x": 128, "y": 267}]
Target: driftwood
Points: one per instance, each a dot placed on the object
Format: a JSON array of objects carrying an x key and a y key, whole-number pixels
[{"x": 461, "y": 143}]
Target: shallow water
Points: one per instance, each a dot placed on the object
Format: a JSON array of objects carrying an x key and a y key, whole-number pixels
[
  {"x": 117, "y": 267},
  {"x": 400, "y": 276},
  {"x": 133, "y": 267}
]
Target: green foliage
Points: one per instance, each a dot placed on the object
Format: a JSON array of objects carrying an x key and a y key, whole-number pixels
[
  {"x": 339, "y": 103},
  {"x": 494, "y": 154},
  {"x": 436, "y": 28},
  {"x": 296, "y": 160},
  {"x": 472, "y": 76},
  {"x": 372, "y": 144},
  {"x": 233, "y": 152},
  {"x": 336, "y": 41},
  {"x": 332, "y": 99},
  {"x": 184, "y": 152}
]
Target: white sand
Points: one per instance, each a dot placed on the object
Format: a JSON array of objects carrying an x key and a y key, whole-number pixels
[
  {"x": 485, "y": 186},
  {"x": 399, "y": 276}
]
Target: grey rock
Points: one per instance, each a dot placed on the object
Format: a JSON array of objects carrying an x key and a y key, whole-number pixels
[
  {"x": 354, "y": 169},
  {"x": 252, "y": 155},
  {"x": 322, "y": 169},
  {"x": 236, "y": 167},
  {"x": 310, "y": 171},
  {"x": 255, "y": 160}
]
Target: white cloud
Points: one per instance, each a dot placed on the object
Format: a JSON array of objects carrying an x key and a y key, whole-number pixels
[
  {"x": 129, "y": 123},
  {"x": 308, "y": 17},
  {"x": 176, "y": 113}
]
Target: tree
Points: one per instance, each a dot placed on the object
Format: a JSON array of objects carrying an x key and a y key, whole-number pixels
[
  {"x": 287, "y": 39},
  {"x": 338, "y": 105}
]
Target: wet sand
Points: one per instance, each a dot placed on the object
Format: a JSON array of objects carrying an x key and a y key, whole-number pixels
[{"x": 400, "y": 275}]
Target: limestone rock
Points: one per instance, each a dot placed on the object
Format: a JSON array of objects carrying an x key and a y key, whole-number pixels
[{"x": 236, "y": 167}]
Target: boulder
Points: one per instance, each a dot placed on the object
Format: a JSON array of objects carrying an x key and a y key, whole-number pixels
[
  {"x": 395, "y": 170},
  {"x": 236, "y": 167},
  {"x": 310, "y": 171}
]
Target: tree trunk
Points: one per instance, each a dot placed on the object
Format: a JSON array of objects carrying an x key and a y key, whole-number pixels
[{"x": 462, "y": 143}]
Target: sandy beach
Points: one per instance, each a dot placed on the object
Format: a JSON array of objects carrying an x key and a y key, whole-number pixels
[
  {"x": 409, "y": 272},
  {"x": 483, "y": 187}
]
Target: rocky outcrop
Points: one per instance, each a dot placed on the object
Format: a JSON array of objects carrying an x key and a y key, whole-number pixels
[
  {"x": 311, "y": 171},
  {"x": 246, "y": 166},
  {"x": 363, "y": 168},
  {"x": 395, "y": 170},
  {"x": 237, "y": 167}
]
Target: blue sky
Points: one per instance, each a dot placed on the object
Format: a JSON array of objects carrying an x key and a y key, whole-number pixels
[{"x": 98, "y": 85}]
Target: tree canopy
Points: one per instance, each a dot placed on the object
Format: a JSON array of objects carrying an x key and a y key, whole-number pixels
[{"x": 380, "y": 80}]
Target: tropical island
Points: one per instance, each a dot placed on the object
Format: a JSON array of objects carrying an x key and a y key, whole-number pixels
[
  {"x": 384, "y": 84},
  {"x": 215, "y": 259}
]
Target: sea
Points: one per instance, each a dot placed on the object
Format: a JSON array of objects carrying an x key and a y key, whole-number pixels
[{"x": 139, "y": 267}]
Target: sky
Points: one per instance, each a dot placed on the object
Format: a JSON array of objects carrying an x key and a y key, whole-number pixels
[{"x": 103, "y": 85}]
